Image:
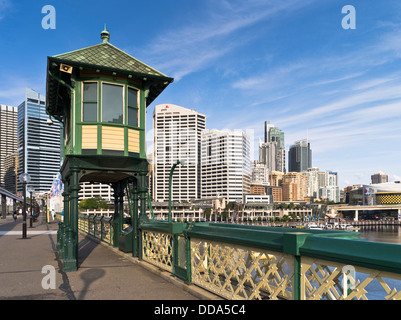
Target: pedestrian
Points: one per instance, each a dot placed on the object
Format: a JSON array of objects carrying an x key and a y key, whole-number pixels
[
  {"x": 53, "y": 214},
  {"x": 15, "y": 215}
]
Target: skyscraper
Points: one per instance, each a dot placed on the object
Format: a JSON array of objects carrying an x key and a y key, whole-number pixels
[
  {"x": 300, "y": 156},
  {"x": 8, "y": 146},
  {"x": 39, "y": 152},
  {"x": 272, "y": 151},
  {"x": 177, "y": 136},
  {"x": 225, "y": 164},
  {"x": 273, "y": 134}
]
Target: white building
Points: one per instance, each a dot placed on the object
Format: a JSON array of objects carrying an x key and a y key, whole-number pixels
[
  {"x": 323, "y": 184},
  {"x": 225, "y": 164},
  {"x": 176, "y": 136},
  {"x": 92, "y": 190},
  {"x": 259, "y": 173},
  {"x": 257, "y": 198}
]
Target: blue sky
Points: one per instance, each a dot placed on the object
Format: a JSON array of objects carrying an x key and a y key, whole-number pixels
[{"x": 241, "y": 63}]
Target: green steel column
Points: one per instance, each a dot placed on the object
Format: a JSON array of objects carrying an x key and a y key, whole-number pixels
[
  {"x": 116, "y": 217},
  {"x": 121, "y": 205},
  {"x": 61, "y": 225},
  {"x": 170, "y": 180},
  {"x": 142, "y": 190},
  {"x": 142, "y": 193},
  {"x": 135, "y": 238},
  {"x": 71, "y": 242}
]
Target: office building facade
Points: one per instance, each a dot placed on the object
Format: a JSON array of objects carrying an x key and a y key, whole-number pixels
[
  {"x": 225, "y": 164},
  {"x": 8, "y": 146},
  {"x": 294, "y": 187},
  {"x": 322, "y": 184},
  {"x": 177, "y": 136},
  {"x": 300, "y": 156},
  {"x": 39, "y": 152}
]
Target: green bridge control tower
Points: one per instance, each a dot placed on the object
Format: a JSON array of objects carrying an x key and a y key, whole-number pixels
[{"x": 100, "y": 94}]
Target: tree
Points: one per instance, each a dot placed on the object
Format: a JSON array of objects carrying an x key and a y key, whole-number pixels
[{"x": 93, "y": 203}]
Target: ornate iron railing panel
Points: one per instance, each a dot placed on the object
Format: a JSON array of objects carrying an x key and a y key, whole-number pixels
[
  {"x": 238, "y": 272},
  {"x": 157, "y": 249},
  {"x": 328, "y": 280}
]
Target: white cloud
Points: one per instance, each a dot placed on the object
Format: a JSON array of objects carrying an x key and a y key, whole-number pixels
[
  {"x": 199, "y": 44},
  {"x": 4, "y": 6}
]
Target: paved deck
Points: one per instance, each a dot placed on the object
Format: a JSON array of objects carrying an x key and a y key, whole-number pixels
[{"x": 104, "y": 272}]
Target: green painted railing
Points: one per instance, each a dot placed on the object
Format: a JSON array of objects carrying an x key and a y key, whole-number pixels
[
  {"x": 97, "y": 226},
  {"x": 256, "y": 262}
]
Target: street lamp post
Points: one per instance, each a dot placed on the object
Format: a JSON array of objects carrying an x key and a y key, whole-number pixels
[
  {"x": 30, "y": 189},
  {"x": 170, "y": 219},
  {"x": 24, "y": 178}
]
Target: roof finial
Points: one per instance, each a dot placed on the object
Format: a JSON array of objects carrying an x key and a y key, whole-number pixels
[{"x": 105, "y": 35}]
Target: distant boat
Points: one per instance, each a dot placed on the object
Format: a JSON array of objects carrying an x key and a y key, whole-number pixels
[{"x": 314, "y": 226}]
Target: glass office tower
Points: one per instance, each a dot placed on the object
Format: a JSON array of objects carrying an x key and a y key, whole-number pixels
[
  {"x": 300, "y": 156},
  {"x": 39, "y": 152}
]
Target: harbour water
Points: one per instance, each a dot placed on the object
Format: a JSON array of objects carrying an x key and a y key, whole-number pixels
[
  {"x": 380, "y": 233},
  {"x": 388, "y": 234}
]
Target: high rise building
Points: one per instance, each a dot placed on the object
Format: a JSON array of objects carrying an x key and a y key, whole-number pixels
[
  {"x": 272, "y": 151},
  {"x": 300, "y": 156},
  {"x": 10, "y": 165},
  {"x": 39, "y": 152},
  {"x": 295, "y": 187},
  {"x": 379, "y": 177},
  {"x": 8, "y": 146},
  {"x": 225, "y": 164},
  {"x": 177, "y": 136},
  {"x": 273, "y": 134},
  {"x": 322, "y": 184},
  {"x": 272, "y": 156}
]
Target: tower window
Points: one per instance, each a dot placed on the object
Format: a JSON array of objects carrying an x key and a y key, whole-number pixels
[
  {"x": 89, "y": 102},
  {"x": 112, "y": 103},
  {"x": 133, "y": 107}
]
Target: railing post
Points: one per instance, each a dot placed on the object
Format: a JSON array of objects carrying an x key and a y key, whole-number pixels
[
  {"x": 101, "y": 228},
  {"x": 292, "y": 242},
  {"x": 189, "y": 264}
]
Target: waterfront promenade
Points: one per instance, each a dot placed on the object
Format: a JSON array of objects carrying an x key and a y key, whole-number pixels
[{"x": 104, "y": 272}]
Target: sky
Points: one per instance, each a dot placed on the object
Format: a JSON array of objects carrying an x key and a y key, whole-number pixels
[{"x": 293, "y": 63}]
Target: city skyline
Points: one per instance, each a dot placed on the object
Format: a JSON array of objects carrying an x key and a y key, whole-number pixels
[{"x": 241, "y": 64}]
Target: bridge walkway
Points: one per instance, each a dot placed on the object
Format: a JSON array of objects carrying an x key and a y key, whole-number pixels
[{"x": 103, "y": 273}]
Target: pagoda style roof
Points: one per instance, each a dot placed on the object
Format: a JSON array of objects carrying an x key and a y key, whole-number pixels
[
  {"x": 105, "y": 55},
  {"x": 104, "y": 58}
]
